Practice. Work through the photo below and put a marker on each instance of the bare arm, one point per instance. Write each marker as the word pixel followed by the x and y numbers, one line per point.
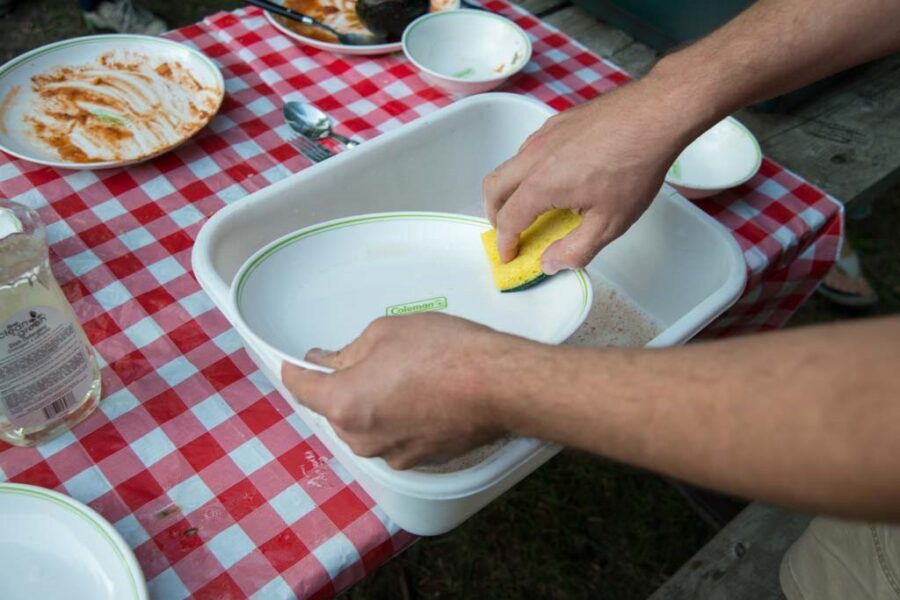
pixel 776 46
pixel 606 159
pixel 808 418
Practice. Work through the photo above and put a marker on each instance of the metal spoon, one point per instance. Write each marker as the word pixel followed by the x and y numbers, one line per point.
pixel 349 39
pixel 306 119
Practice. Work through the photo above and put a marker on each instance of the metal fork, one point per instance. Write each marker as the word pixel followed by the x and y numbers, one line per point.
pixel 311 150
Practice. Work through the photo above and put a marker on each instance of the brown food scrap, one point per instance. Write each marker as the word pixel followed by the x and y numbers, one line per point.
pixel 66 149
pixel 103 112
pixel 168 511
pixel 4 107
pixel 319 10
pixel 309 32
pixel 112 134
pixel 164 70
pixel 313 8
pixel 132 62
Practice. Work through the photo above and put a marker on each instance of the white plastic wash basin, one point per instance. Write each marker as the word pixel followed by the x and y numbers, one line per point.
pixel 676 263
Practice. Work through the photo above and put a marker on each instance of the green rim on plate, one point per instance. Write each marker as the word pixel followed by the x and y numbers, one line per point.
pixel 76 510
pixel 352 221
pixel 95 39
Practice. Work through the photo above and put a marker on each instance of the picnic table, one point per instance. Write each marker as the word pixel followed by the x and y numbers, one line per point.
pixel 206 471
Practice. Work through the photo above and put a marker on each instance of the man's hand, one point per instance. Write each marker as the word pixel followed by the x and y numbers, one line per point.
pixel 605 159
pixel 410 389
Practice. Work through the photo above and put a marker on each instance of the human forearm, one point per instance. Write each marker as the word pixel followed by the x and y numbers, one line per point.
pixel 607 159
pixel 806 418
pixel 773 47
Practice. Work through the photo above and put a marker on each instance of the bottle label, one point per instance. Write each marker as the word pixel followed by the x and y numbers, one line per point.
pixel 44 366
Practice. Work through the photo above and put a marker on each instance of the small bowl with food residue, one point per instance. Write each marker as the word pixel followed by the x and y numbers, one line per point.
pixel 105 101
pixel 466 52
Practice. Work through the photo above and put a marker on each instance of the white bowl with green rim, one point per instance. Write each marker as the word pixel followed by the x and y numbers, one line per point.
pixel 723 157
pixel 322 285
pixel 466 52
pixel 55 547
pixel 105 101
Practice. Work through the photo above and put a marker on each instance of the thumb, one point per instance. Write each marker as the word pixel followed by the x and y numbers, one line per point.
pixel 579 247
pixel 347 356
pixel 309 388
pixel 520 211
pixel 324 358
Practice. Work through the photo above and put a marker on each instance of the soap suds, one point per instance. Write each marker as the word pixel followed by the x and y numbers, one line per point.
pixel 614 321
pixel 467 460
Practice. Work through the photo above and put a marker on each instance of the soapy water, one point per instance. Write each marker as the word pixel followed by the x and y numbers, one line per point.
pixel 614 321
pixel 467 460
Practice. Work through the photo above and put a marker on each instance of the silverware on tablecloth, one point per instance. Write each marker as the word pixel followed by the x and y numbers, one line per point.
pixel 302 142
pixel 308 120
pixel 309 148
pixel 350 39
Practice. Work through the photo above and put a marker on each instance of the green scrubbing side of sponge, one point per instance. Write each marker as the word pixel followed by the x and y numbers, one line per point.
pixel 524 270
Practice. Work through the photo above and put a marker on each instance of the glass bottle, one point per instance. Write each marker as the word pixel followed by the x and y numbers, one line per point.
pixel 49 378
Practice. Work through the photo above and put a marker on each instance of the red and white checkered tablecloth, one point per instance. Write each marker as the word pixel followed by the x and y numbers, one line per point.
pixel 196 460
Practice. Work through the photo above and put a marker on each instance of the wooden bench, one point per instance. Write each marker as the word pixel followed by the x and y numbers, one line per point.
pixel 847 141
pixel 741 562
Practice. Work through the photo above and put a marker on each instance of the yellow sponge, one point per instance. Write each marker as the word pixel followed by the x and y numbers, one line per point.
pixel 524 270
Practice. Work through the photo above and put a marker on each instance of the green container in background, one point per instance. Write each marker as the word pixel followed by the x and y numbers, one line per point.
pixel 667 24
pixel 663 24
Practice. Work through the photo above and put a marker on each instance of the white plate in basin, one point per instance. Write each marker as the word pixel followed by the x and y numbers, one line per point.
pixel 322 285
pixel 55 547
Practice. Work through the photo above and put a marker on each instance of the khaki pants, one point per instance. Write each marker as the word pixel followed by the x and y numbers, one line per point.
pixel 838 560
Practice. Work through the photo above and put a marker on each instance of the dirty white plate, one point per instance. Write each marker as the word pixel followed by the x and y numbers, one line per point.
pixel 105 100
pixel 340 15
pixel 55 547
pixel 322 285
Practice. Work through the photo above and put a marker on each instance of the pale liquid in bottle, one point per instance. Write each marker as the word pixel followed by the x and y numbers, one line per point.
pixel 49 378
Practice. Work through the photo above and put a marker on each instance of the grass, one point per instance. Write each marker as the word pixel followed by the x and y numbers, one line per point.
pixel 580 527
